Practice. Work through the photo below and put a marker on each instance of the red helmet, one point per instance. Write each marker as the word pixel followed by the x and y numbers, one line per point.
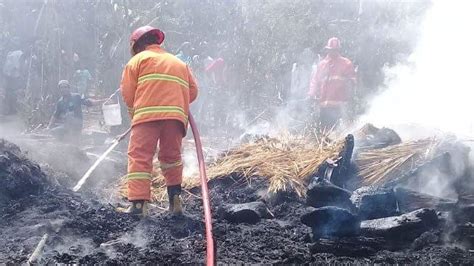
pixel 138 33
pixel 333 44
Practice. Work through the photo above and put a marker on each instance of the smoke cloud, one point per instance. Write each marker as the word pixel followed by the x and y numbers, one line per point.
pixel 434 88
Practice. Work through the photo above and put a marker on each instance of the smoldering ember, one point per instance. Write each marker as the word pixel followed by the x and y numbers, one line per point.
pixel 236 132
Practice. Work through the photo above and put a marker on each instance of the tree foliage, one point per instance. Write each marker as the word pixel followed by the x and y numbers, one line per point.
pixel 259 39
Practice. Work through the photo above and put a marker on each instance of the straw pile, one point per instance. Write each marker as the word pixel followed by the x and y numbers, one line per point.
pixel 380 166
pixel 285 161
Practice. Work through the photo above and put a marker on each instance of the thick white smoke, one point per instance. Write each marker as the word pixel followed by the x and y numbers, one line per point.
pixel 435 88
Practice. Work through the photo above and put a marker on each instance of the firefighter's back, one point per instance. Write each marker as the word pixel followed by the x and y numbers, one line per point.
pixel 163 86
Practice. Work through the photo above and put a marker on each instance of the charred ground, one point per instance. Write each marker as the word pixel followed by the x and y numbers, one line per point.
pixel 86 231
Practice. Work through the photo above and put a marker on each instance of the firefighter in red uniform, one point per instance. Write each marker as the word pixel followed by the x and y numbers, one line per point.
pixel 332 85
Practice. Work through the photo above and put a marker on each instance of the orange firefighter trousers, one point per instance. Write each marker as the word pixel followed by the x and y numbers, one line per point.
pixel 143 142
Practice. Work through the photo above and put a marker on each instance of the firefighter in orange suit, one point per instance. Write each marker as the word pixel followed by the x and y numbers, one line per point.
pixel 157 88
pixel 332 85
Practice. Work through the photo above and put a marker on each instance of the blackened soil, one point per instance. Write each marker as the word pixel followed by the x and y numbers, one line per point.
pixel 18 176
pixel 86 231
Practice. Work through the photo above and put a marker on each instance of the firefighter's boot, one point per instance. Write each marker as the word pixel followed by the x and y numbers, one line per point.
pixel 138 208
pixel 174 197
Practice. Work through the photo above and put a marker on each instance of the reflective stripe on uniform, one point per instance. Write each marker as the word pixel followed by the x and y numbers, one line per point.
pixel 336 78
pixel 159 109
pixel 332 103
pixel 139 176
pixel 163 77
pixel 166 166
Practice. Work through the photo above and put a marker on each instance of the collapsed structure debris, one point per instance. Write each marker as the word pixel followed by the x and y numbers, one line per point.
pixel 371 137
pixel 322 193
pixel 313 217
pixel 409 200
pixel 349 246
pixel 373 203
pixel 406 227
pixel 338 169
pixel 331 221
pixel 464 213
pixel 464 233
pixel 251 212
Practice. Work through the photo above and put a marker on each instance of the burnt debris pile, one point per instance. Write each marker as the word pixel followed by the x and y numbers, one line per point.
pixel 391 205
pixel 339 218
pixel 19 177
pixel 32 204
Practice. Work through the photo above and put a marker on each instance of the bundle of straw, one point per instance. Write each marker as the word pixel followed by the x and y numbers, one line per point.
pixel 380 166
pixel 286 161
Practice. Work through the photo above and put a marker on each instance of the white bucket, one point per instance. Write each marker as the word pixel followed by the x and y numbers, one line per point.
pixel 112 114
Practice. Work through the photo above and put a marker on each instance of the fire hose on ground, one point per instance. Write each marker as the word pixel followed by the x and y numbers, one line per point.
pixel 210 251
pixel 210 248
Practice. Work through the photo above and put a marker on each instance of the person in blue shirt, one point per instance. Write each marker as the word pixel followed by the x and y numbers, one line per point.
pixel 67 119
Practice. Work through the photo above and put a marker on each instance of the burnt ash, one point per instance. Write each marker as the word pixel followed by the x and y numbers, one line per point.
pixel 87 231
pixel 18 176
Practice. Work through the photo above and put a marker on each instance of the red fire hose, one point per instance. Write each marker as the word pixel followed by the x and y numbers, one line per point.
pixel 210 255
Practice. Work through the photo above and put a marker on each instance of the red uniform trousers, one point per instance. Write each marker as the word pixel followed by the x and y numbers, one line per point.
pixel 141 150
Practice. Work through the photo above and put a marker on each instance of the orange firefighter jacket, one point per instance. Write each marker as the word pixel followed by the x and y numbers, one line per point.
pixel 157 86
pixel 331 83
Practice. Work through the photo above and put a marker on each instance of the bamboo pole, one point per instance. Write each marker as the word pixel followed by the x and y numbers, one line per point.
pixel 38 250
